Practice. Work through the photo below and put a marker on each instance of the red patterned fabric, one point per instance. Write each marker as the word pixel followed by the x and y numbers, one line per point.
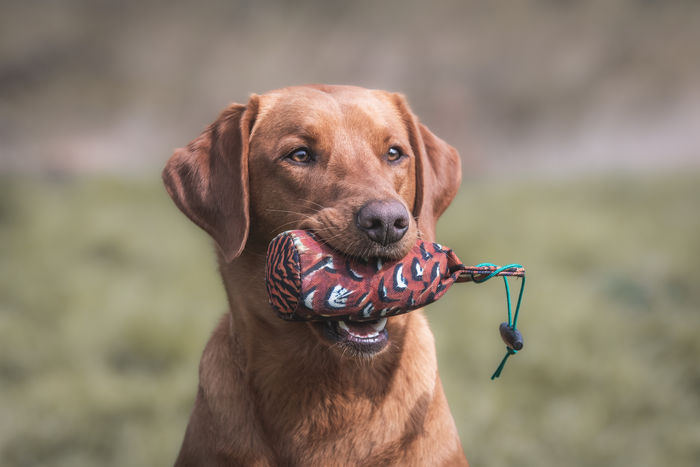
pixel 308 280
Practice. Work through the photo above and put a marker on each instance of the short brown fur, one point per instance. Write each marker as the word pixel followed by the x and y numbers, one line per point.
pixel 273 392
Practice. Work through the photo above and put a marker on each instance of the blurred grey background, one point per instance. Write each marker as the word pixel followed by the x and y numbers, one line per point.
pixel 534 86
pixel 579 128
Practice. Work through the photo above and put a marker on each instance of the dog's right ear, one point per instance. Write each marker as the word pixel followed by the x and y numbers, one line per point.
pixel 208 179
pixel 438 171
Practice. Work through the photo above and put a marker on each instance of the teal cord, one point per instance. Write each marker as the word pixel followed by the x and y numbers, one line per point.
pixel 505 281
pixel 497 373
pixel 512 319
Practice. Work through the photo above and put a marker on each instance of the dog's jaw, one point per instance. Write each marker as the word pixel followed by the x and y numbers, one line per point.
pixel 355 340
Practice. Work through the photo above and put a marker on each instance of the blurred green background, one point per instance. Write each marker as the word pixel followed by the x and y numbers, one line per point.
pixel 577 124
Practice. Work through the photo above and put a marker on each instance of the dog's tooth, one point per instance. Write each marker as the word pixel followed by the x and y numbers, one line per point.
pixel 379 325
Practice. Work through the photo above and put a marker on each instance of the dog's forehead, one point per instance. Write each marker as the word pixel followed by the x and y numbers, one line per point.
pixel 289 109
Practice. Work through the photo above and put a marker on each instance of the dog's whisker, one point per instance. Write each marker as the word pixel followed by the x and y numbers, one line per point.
pixel 304 217
pixel 320 206
pixel 286 211
pixel 289 223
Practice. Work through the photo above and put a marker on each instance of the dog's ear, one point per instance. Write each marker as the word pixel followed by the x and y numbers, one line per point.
pixel 208 179
pixel 438 171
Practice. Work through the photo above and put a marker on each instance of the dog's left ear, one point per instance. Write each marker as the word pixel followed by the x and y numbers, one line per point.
pixel 438 171
pixel 208 179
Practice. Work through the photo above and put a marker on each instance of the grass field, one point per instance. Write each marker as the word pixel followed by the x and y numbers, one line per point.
pixel 108 295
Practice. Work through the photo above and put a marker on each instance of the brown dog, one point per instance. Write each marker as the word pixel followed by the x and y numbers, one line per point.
pixel 356 167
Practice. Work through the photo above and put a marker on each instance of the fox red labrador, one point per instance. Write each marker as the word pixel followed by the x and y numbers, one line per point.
pixel 356 167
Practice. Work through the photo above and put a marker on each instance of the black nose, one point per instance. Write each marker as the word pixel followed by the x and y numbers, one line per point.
pixel 384 222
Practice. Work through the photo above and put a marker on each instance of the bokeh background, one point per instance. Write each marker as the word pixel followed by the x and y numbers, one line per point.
pixel 579 128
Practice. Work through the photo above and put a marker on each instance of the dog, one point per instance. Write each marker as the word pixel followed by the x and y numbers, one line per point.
pixel 357 168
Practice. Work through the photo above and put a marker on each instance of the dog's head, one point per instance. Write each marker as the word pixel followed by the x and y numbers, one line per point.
pixel 352 165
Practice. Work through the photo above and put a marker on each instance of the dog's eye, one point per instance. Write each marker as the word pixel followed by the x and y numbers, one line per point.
pixel 300 156
pixel 394 154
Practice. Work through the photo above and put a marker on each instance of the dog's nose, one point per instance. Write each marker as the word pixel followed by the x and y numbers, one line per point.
pixel 384 222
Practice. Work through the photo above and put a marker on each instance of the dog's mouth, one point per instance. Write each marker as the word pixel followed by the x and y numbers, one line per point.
pixel 365 249
pixel 360 339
